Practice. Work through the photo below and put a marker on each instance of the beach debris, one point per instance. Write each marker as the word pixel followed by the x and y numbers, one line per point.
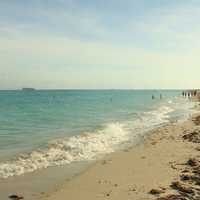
pixel 153 143
pixel 181 188
pixel 196 120
pixel 172 197
pixel 173 167
pixel 193 178
pixel 188 187
pixel 156 191
pixel 193 162
pixel 107 194
pixel 196 179
pixel 15 197
pixel 193 136
pixel 185 177
pixel 197 148
pixel 185 171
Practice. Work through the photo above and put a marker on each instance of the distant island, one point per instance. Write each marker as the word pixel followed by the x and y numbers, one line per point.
pixel 28 89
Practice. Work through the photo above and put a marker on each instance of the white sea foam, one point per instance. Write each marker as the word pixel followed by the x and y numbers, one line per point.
pixel 86 146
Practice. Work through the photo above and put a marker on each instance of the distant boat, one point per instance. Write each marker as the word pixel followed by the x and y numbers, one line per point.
pixel 28 89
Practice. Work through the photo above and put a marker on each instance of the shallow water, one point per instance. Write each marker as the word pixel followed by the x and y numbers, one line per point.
pixel 41 129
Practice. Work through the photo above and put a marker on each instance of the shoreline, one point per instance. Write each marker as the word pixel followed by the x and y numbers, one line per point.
pixel 60 181
pixel 29 185
pixel 133 173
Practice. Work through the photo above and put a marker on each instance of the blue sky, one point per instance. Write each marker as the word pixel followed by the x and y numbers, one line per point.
pixel 99 44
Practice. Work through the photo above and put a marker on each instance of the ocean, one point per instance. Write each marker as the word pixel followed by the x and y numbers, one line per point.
pixel 46 128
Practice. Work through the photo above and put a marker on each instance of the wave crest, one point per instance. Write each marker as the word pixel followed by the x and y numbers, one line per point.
pixel 87 146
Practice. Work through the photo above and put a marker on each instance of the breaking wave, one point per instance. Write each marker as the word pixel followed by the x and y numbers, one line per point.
pixel 86 146
pixel 77 148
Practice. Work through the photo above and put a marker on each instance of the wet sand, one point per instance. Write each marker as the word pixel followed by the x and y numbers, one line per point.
pixel 34 185
pixel 151 170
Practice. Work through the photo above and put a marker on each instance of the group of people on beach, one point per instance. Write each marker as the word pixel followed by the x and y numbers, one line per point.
pixel 192 93
pixel 189 94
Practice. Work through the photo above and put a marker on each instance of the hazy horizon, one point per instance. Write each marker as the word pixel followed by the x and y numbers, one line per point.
pixel 96 45
pixel 88 89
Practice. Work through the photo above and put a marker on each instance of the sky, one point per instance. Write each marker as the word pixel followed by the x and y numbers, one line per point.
pixel 98 44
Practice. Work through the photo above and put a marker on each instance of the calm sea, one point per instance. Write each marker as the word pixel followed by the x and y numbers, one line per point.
pixel 39 129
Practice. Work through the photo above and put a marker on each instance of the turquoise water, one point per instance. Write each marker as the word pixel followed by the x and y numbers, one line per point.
pixel 39 129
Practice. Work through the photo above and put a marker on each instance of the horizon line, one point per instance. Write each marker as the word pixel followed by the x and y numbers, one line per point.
pixel 46 89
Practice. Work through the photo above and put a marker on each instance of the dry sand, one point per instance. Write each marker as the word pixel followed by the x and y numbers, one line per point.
pixel 131 174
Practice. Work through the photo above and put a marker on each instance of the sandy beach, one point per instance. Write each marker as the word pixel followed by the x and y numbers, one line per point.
pixel 99 100
pixel 162 166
